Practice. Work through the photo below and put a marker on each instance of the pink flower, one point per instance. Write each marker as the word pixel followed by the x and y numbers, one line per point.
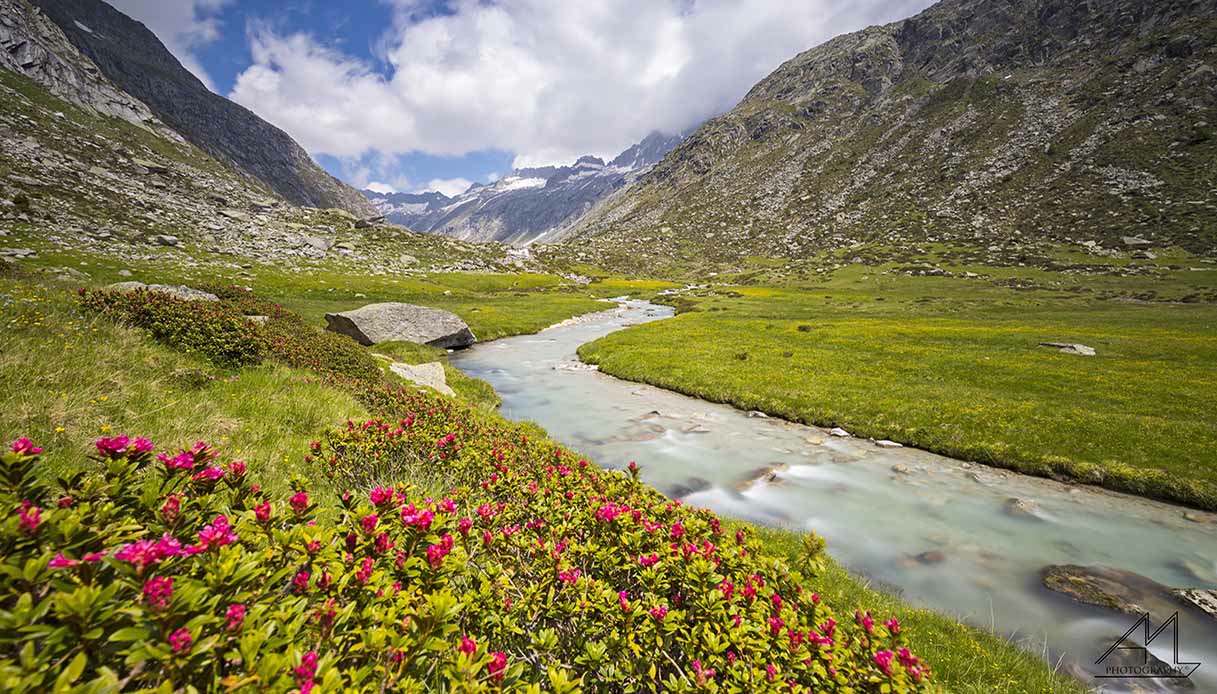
pixel 659 613
pixel 217 534
pixel 369 522
pixel 94 557
pixel 300 581
pixel 237 468
pixel 893 626
pixel 609 512
pixel 677 531
pixel 865 621
pixel 364 573
pixel 702 674
pixel 648 560
pixel 775 625
pixel 307 669
pixel 623 599
pixel 299 502
pixel 181 640
pixel 23 446
pixel 777 601
pixel 380 496
pixel 112 447
pixel 65 502
pixel 884 660
pixel 209 475
pixel 383 543
pixel 142 446
pixel 907 659
pixel 570 576
pixel 61 561
pixel 435 555
pixel 771 672
pixel 727 588
pixel 496 666
pixel 464 526
pixel 447 506
pixel 171 508
pixel 262 512
pixel 467 646
pixel 158 590
pixel 235 616
pixel 30 518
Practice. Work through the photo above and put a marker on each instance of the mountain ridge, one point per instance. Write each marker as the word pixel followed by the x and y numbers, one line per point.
pixel 135 60
pixel 976 122
pixel 529 205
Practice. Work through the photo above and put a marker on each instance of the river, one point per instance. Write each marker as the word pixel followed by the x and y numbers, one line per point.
pixel 940 531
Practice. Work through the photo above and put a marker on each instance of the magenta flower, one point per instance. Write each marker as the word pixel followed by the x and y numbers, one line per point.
pixel 678 531
pixel 380 496
pixel 467 646
pixel 23 446
pixel 171 508
pixel 865 621
pixel 217 534
pixel 300 581
pixel 184 460
pixel 659 613
pixel 464 526
pixel 623 599
pixel 262 512
pixel 112 447
pixel 181 640
pixel 727 588
pixel 497 665
pixel 142 446
pixel 369 522
pixel 570 576
pixel 609 512
pixel 893 626
pixel 883 659
pixel 30 518
pixel 775 625
pixel 235 616
pixel 447 506
pixel 364 573
pixel 209 475
pixel 648 560
pixel 307 669
pixel 299 502
pixel 907 659
pixel 158 590
pixel 61 561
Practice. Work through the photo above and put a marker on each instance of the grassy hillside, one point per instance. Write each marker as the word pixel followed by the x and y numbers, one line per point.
pixel 953 365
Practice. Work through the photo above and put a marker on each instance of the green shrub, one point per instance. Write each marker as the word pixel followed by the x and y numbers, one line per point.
pixel 216 330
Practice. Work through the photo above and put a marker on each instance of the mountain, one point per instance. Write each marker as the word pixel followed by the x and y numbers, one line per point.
pixel 132 58
pixel 528 205
pixel 990 125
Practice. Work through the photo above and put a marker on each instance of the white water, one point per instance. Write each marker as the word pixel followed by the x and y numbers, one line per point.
pixel 877 520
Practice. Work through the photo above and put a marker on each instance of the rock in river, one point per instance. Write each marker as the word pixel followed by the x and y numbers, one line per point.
pixel 387 322
pixel 1116 589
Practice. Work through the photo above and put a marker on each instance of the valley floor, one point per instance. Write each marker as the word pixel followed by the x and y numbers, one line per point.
pixel 955 365
pixel 72 377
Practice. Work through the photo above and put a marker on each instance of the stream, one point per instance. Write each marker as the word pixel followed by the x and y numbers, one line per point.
pixel 942 533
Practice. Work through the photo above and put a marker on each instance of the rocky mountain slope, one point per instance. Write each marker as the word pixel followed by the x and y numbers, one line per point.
pixel 131 57
pixel 995 125
pixel 528 205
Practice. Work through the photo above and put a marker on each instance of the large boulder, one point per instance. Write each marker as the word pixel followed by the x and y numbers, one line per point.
pixel 388 322
pixel 175 290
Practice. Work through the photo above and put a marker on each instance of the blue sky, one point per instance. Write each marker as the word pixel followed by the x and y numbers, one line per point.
pixel 414 95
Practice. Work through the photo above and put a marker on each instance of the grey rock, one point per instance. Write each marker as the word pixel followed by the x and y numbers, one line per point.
pixel 430 375
pixel 1135 241
pixel 1112 588
pixel 1070 348
pixel 319 243
pixel 235 214
pixel 839 433
pixel 1022 508
pixel 1203 600
pixel 151 166
pixel 177 290
pixel 884 443
pixel 166 240
pixel 387 322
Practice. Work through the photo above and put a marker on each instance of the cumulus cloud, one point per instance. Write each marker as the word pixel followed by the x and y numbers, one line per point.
pixel 182 25
pixel 382 188
pixel 448 186
pixel 547 79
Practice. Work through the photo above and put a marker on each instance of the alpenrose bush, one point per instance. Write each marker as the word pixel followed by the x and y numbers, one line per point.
pixel 536 571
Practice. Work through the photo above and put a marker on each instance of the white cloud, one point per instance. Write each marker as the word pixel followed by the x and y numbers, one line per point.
pixel 547 79
pixel 382 188
pixel 448 186
pixel 182 25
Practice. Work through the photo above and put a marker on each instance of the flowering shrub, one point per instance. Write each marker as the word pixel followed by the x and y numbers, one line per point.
pixel 222 331
pixel 533 567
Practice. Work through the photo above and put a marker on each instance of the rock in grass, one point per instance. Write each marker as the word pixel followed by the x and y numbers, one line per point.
pixel 430 375
pixel 387 322
pixel 839 433
pixel 1070 348
pixel 176 290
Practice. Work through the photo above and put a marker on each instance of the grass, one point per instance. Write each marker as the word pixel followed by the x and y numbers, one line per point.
pixel 953 366
pixel 69 379
pixel 965 659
